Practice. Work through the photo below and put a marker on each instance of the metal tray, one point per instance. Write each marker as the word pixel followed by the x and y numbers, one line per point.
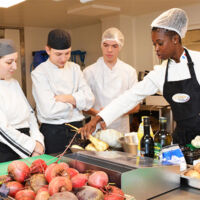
pixel 192 182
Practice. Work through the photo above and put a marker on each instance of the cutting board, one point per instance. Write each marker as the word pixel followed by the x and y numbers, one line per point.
pixel 47 158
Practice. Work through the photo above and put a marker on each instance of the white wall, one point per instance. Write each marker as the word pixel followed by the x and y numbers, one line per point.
pixel 14 34
pixel 87 39
pixel 35 40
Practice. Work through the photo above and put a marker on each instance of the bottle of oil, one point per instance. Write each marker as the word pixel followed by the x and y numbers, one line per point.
pixel 147 143
pixel 162 137
pixel 140 133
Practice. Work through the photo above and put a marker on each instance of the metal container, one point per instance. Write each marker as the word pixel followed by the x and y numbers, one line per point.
pixel 133 174
pixel 128 145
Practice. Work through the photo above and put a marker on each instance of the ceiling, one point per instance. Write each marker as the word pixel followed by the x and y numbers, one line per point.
pixel 71 13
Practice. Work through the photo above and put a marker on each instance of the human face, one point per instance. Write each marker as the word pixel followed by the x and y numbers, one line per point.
pixel 110 51
pixel 164 45
pixel 58 57
pixel 8 65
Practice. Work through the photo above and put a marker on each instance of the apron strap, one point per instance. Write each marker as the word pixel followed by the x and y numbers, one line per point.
pixel 190 64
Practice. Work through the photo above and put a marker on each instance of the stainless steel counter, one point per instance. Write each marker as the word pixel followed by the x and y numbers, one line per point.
pixel 182 193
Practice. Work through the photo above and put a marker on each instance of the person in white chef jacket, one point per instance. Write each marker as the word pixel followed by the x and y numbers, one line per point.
pixel 178 80
pixel 109 77
pixel 19 132
pixel 60 92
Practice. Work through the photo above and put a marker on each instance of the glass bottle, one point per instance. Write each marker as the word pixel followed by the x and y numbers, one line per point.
pixel 162 137
pixel 140 132
pixel 147 143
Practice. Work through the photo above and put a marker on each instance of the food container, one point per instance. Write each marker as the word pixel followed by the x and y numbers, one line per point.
pixel 190 154
pixel 190 181
pixel 129 144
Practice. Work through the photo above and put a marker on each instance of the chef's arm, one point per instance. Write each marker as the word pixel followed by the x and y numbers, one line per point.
pixel 91 111
pixel 134 110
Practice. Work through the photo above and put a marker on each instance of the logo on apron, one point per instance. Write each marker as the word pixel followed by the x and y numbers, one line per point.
pixel 180 98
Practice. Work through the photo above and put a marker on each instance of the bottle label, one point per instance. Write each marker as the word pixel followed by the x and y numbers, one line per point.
pixel 157 149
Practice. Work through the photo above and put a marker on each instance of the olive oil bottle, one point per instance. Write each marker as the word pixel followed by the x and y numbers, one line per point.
pixel 147 143
pixel 162 137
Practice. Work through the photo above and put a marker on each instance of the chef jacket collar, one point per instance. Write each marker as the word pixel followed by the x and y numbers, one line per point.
pixel 183 58
pixel 101 60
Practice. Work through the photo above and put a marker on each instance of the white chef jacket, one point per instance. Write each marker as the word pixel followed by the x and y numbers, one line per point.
pixel 151 84
pixel 107 84
pixel 48 81
pixel 16 113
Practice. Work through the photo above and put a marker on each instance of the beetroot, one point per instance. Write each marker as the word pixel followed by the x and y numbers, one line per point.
pixel 43 188
pixel 18 170
pixel 25 195
pixel 14 187
pixel 60 184
pixel 63 196
pixel 79 180
pixel 56 169
pixel 38 166
pixel 98 179
pixel 72 172
pixel 5 179
pixel 113 193
pixel 37 181
pixel 90 193
pixel 42 195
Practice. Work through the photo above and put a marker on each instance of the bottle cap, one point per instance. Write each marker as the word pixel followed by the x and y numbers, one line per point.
pixel 163 119
pixel 146 121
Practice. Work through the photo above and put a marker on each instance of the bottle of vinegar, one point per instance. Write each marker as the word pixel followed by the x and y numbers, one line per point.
pixel 162 137
pixel 140 132
pixel 147 143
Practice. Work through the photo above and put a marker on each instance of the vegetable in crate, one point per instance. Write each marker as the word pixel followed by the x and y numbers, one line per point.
pixel 63 196
pixel 60 184
pixel 90 193
pixel 18 170
pixel 14 187
pixel 56 169
pixel 98 179
pixel 113 193
pixel 25 195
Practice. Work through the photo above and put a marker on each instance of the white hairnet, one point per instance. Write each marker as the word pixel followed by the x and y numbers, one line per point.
pixel 174 19
pixel 113 34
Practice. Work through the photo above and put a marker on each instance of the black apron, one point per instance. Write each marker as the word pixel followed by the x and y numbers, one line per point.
pixel 6 153
pixel 186 111
pixel 58 136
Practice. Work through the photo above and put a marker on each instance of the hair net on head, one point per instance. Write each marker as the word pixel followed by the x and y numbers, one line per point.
pixel 113 34
pixel 174 19
pixel 6 47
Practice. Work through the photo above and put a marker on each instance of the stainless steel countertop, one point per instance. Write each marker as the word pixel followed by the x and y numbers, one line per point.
pixel 183 193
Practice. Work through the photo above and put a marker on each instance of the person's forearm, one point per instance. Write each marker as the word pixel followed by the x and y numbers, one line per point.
pixel 91 111
pixel 134 110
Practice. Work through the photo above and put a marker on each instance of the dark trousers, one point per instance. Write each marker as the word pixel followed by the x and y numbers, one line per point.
pixel 58 136
pixel 6 153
